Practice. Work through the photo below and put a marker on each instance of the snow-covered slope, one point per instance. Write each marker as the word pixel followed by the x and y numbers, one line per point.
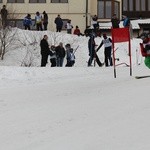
pixel 78 108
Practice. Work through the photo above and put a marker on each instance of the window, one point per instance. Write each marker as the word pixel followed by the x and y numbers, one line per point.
pixel 143 5
pixel 131 5
pixel 19 23
pixel 100 9
pixel 59 1
pixel 140 5
pixel 37 1
pixel 64 23
pixel 104 8
pixel 1 1
pixel 125 5
pixel 149 5
pixel 108 9
pixel 15 1
pixel 135 5
pixel 117 9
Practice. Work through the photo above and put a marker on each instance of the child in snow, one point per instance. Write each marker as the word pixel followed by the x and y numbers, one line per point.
pixel 70 56
pixel 53 56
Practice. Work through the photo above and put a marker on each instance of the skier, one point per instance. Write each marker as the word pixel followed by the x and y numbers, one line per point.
pixel 92 52
pixel 107 49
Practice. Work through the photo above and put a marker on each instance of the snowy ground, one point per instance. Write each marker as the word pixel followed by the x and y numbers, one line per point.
pixel 77 108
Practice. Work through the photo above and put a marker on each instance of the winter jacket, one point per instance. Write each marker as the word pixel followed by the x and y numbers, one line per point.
pixel 44 47
pixel 115 22
pixel 147 61
pixel 126 22
pixel 60 52
pixel 91 46
pixel 4 13
pixel 69 26
pixel 58 22
pixel 45 18
pixel 38 19
pixel 52 54
pixel 107 43
pixel 27 21
pixel 76 32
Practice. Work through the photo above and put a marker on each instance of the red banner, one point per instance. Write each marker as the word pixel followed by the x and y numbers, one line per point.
pixel 120 35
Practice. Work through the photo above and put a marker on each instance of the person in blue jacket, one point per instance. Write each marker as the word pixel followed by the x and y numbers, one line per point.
pixel 126 21
pixel 27 22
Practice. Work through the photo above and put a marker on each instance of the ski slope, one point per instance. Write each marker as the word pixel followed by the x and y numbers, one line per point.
pixel 78 108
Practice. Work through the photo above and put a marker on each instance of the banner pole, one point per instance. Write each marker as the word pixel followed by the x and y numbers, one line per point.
pixel 130 55
pixel 114 60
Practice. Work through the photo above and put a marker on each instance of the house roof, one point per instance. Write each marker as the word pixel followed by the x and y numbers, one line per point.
pixel 135 24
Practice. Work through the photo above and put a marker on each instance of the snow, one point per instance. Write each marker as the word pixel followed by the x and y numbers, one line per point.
pixel 78 108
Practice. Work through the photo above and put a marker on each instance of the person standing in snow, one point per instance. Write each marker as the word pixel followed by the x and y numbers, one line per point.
pixel 70 56
pixel 38 21
pixel 59 23
pixel 60 54
pixel 107 42
pixel 53 56
pixel 115 21
pixel 69 27
pixel 92 52
pixel 126 21
pixel 4 14
pixel 45 20
pixel 44 50
pixel 27 22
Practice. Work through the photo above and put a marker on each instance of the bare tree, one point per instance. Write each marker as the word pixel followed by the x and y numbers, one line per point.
pixel 7 33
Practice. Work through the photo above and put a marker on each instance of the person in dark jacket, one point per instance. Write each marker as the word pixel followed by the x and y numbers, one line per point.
pixel 45 20
pixel 107 42
pixel 60 54
pixel 92 52
pixel 115 21
pixel 4 14
pixel 59 23
pixel 27 22
pixel 44 50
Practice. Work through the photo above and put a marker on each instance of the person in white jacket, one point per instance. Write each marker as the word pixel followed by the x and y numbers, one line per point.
pixel 69 27
pixel 107 42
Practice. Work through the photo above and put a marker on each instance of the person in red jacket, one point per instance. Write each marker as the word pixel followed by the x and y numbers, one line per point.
pixel 77 31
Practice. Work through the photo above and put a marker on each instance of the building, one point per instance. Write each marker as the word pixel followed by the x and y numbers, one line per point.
pixel 74 10
pixel 79 11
